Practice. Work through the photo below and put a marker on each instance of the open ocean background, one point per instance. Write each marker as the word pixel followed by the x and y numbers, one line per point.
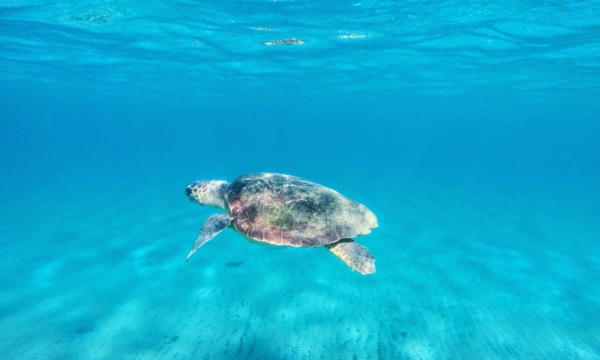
pixel 470 128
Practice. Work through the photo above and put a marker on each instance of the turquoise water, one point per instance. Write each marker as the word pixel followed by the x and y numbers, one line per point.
pixel 470 129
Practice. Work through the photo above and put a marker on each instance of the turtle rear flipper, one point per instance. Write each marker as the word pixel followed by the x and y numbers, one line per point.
pixel 211 227
pixel 354 255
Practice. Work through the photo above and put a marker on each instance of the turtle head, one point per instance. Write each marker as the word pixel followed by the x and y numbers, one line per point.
pixel 208 193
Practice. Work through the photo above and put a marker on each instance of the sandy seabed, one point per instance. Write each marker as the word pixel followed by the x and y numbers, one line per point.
pixel 461 274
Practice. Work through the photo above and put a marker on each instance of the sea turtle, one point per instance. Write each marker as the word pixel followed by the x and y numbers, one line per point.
pixel 285 210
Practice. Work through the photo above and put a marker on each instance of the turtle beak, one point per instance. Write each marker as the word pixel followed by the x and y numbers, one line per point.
pixel 189 191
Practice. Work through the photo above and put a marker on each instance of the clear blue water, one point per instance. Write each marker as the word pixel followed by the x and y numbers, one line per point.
pixel 470 129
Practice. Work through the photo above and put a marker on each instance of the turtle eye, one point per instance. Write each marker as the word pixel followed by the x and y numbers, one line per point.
pixel 188 191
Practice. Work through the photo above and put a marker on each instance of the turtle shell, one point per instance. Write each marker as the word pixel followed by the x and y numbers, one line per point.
pixel 286 210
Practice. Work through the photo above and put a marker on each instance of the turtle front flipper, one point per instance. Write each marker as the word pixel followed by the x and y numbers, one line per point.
pixel 212 226
pixel 354 255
